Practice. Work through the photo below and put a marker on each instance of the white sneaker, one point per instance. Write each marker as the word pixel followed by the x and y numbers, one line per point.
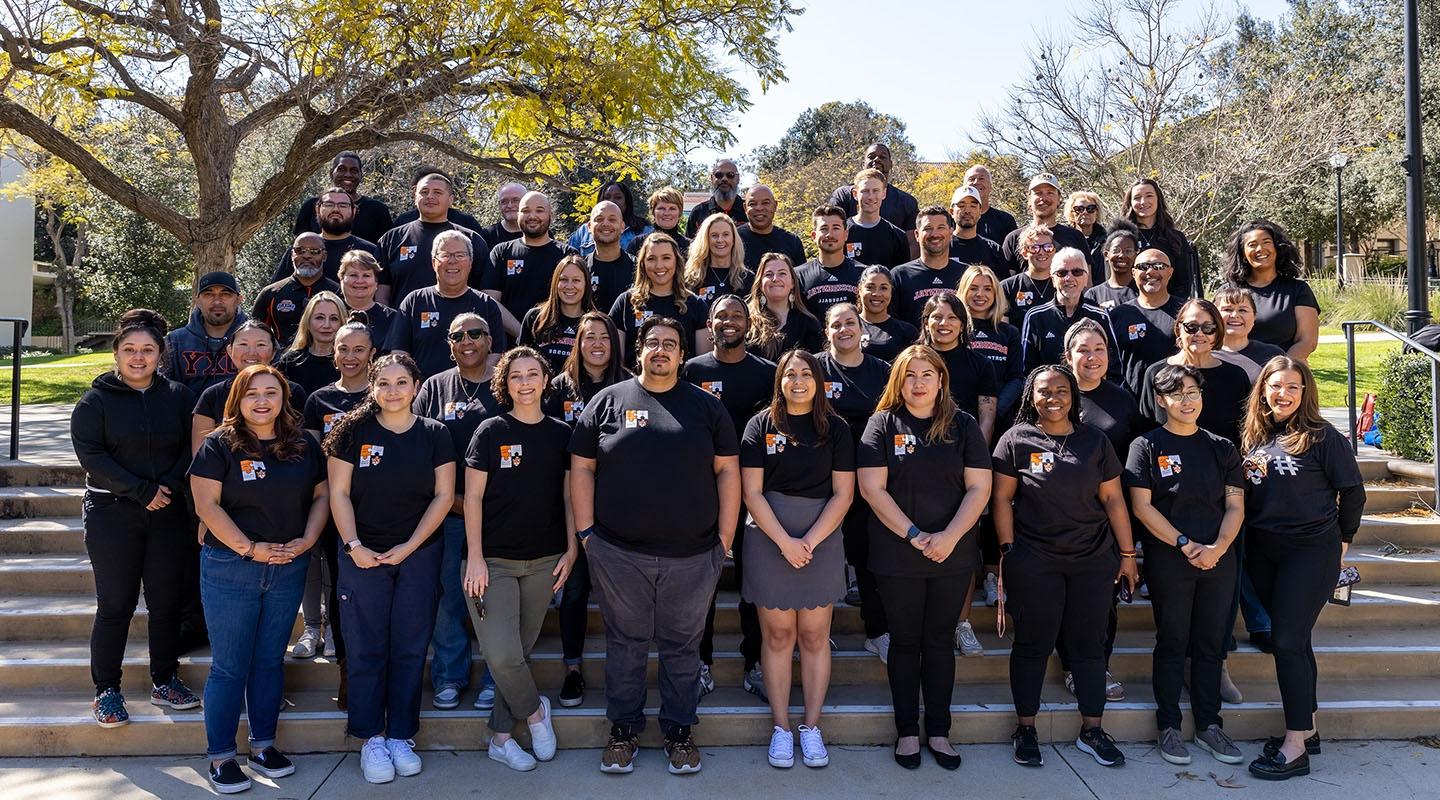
pixel 375 761
pixel 992 590
pixel 880 646
pixel 707 681
pixel 967 642
pixel 402 755
pixel 542 734
pixel 812 747
pixel 512 755
pixel 782 748
pixel 310 644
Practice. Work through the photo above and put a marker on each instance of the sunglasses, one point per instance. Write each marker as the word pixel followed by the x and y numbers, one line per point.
pixel 474 334
pixel 308 251
pixel 1066 273
pixel 1207 328
pixel 726 174
pixel 1152 266
pixel 1046 247
pixel 1090 209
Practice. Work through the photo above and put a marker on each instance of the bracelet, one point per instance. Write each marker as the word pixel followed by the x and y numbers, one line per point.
pixel 249 554
pixel 912 534
pixel 1124 554
pixel 584 533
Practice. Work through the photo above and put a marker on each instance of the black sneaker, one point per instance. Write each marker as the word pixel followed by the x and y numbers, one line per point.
pixel 1100 746
pixel 1027 746
pixel 572 693
pixel 228 778
pixel 271 763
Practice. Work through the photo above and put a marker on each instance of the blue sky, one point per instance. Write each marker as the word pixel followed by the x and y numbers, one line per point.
pixel 872 51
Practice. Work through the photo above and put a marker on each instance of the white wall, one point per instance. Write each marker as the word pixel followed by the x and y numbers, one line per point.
pixel 17 253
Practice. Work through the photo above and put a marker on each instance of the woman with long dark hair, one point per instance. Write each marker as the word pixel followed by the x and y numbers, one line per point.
pixel 392 481
pixel 551 326
pixel 1303 504
pixel 780 322
pixel 945 328
pixel 259 487
pixel 1261 258
pixel 131 434
pixel 1065 542
pixel 1144 205
pixel 924 471
pixel 250 343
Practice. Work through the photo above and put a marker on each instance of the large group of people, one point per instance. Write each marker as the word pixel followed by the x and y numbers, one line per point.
pixel 943 409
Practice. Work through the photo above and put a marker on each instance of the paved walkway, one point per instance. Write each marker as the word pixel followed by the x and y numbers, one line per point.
pixel 1389 770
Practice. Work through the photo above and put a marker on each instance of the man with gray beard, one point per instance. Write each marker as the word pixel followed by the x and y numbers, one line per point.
pixel 280 304
pixel 724 197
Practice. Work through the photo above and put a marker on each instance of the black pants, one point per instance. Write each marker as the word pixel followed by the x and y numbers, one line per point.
pixel 1051 599
pixel 574 608
pixel 1293 578
pixel 855 530
pixel 749 616
pixel 922 614
pixel 329 547
pixel 130 547
pixel 1110 625
pixel 1193 616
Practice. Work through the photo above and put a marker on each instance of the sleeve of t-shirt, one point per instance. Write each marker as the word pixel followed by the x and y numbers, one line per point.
pixel 499 340
pixel 585 441
pixel 1305 296
pixel 400 333
pixel 726 441
pixel 1137 465
pixel 527 327
pixel 1030 345
pixel 975 454
pixel 312 419
pixel 842 445
pixel 1002 460
pixel 812 340
pixel 871 452
pixel 262 300
pixel 1337 461
pixel 425 399
pixel 476 454
pixel 384 250
pixel 752 443
pixel 316 456
pixel 480 254
pixel 493 275
pixel 901 245
pixel 1231 465
pixel 211 403
pixel 442 448
pixel 1110 466
pixel 212 460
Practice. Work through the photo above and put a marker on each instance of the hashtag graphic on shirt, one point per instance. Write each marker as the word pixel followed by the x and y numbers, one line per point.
pixel 1287 465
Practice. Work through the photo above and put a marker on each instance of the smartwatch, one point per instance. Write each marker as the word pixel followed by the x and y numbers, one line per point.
pixel 1006 548
pixel 584 533
pixel 1182 540
pixel 912 534
pixel 352 544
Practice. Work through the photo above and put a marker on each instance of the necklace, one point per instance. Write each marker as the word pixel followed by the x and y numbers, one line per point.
pixel 1059 446
pixel 470 396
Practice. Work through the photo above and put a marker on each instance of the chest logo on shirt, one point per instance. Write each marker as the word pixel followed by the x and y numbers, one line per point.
pixel 905 444
pixel 514 266
pixel 370 455
pixel 1137 330
pixel 1257 466
pixel 833 389
pixel 328 421
pixel 707 293
pixel 642 315
pixel 285 306
pixel 1023 299
pixel 1042 462
pixel 510 455
pixel 1169 465
pixel 636 418
pixel 407 251
pixel 716 388
pixel 454 410
pixel 252 470
pixel 775 443
pixel 572 409
pixel 852 249
pixel 1109 304
pixel 594 282
pixel 429 319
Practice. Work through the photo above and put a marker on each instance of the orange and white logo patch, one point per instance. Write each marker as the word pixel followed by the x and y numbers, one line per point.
pixel 252 470
pixel 775 443
pixel 407 251
pixel 716 388
pixel 904 443
pixel 510 455
pixel 636 418
pixel 572 409
pixel 1169 465
pixel 370 454
pixel 1041 462
pixel 429 319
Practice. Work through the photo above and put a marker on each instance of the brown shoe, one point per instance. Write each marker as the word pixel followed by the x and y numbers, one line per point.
pixel 619 753
pixel 342 697
pixel 680 748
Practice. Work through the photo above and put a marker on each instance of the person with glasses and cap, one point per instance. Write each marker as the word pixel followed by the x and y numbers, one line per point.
pixel 1142 326
pixel 280 305
pixel 724 198
pixel 968 246
pixel 1044 204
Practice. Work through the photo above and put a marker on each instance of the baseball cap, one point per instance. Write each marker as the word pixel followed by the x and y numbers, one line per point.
pixel 217 278
pixel 966 191
pixel 1045 177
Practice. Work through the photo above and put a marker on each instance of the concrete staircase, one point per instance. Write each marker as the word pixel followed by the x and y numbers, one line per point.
pixel 1379 659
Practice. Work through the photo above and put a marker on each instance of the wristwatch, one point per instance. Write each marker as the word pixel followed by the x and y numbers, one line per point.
pixel 249 554
pixel 584 533
pixel 1006 548
pixel 1182 540
pixel 352 544
pixel 912 534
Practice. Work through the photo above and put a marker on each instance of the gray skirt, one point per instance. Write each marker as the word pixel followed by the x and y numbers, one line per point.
pixel 769 580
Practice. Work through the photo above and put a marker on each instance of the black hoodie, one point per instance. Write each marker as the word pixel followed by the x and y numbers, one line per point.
pixel 131 442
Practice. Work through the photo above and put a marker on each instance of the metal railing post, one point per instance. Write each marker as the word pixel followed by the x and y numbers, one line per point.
pixel 18 327
pixel 1350 383
pixel 1435 429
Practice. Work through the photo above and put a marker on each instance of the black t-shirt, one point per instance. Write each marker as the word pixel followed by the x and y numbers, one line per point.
pixel 406 261
pixel 899 206
pixel 565 401
pixel 707 208
pixel 882 243
pixel 280 305
pixel 1296 495
pixel 211 402
pixel 325 406
pixel 1143 336
pixel 393 480
pixel 1191 471
pixel 1023 293
pixel 609 278
pixel 743 387
pixel 854 391
pixel 497 234
pixel 1046 325
pixel 886 340
pixel 1275 311
pixel 1114 411
pixel 1177 247
pixel 1226 390
pixel 268 499
pixel 312 372
pixel 523 513
pixel 522 273
pixel 914 284
pixel 557 342
pixel 459 405
pixel 372 219
pixel 1251 358
pixel 1063 236
pixel 454 215
pixel 800 330
pixel 633 248
pixel 424 322
pixel 795 461
pixel 778 240
pixel 971 377
pixel 655 489
pixel 335 250
pixel 716 283
pixel 1058 512
pixel 824 286
pixel 978 250
pixel 1107 296
pixel 927 482
pixel 628 320
pixel 995 225
pixel 380 319
pixel 1001 345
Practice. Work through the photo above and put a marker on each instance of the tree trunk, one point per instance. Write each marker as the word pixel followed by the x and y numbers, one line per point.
pixel 67 266
pixel 213 252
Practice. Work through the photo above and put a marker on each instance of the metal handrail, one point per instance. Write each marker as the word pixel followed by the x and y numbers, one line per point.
pixel 18 326
pixel 1434 357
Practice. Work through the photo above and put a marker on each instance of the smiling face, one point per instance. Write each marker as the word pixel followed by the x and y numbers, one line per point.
pixel 660 352
pixel 830 234
pixel 760 208
pixel 667 215
pixel 324 322
pixel 606 223
pixel 509 202
pixel 570 285
pixel 525 381
pixel 452 263
pixel 728 322
pixel 797 384
pixel 433 198
pixel 251 347
pixel 1239 317
pixel 843 331
pixel 660 267
pixel 980 296
pixel 1044 201
pixel 875 294
pixel 262 402
pixel 979 177
pixel 1120 256
pixel 943 326
pixel 352 353
pixel 1088 357
pixel 1144 202
pixel 1040 253
pixel 1198 333
pixel 469 339
pixel 870 193
pixel 1052 397
pixel 394 389
pixel 358 286
pixel 877 156
pixel 1184 404
pixel 722 240
pixel 1284 391
pixel 1259 248
pixel 1070 279
pixel 137 357
pixel 776 281
pixel 934 235
pixel 595 345
pixel 1152 272
pixel 347 174
pixel 535 215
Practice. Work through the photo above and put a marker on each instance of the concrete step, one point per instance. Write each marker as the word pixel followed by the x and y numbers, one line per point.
pixel 26 473
pixel 40 724
pixel 1406 528
pixel 1395 495
pixel 54 535
pixel 41 501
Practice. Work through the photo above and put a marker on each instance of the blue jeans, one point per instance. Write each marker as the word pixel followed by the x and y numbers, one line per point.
pixel 451 662
pixel 250 610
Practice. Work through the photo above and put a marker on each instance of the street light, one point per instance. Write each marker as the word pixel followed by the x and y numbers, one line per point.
pixel 1338 161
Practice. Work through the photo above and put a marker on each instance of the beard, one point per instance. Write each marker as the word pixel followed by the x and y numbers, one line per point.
pixel 308 271
pixel 336 227
pixel 726 195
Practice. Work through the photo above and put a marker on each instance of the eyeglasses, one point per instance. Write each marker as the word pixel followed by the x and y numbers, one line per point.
pixel 726 174
pixel 1207 328
pixel 668 345
pixel 1190 395
pixel 1066 273
pixel 1152 266
pixel 327 205
pixel 308 251
pixel 1090 209
pixel 474 334
pixel 453 256
pixel 1046 247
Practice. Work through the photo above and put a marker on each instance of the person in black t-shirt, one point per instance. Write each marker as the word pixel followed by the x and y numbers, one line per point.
pixel 335 214
pixel 659 291
pixel 779 319
pixel 994 224
pixel 797 462
pixel 550 327
pixel 1143 327
pixel 404 248
pixel 425 314
pixel 760 233
pixel 280 304
pixel 1043 331
pixel 869 237
pixel 923 469
pixel 507 202
pixel 831 277
pixel 724 199
pixel 715 265
pixel 1188 491
pixel 971 379
pixel 1044 206
pixel 1059 552
pixel 392 481
pixel 968 246
pixel 251 344
pixel 1032 287
pixel 611 269
pixel 1103 403
pixel 1261 258
pixel 667 205
pixel 1083 211
pixel 1226 386
pixel 1303 502
pixel 1118 256
pixel 898 207
pixel 656 552
pixel 259 485
pixel 520 271
pixel 933 273
pixel 994 338
pixel 520 545
pixel 882 335
pixel 1143 204
pixel 1237 307
pixel 371 216
pixel 310 360
pixel 359 280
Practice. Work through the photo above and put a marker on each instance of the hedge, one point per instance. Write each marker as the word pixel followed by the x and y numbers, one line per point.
pixel 1404 406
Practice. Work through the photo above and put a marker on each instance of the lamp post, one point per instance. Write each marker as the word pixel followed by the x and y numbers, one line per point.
pixel 1338 161
pixel 1416 279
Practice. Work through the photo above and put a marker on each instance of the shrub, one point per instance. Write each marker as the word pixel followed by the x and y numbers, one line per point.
pixel 1404 406
pixel 1381 300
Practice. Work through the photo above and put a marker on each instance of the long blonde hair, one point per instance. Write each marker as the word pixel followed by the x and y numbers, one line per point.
pixel 1296 435
pixel 302 336
pixel 945 409
pixel 640 289
pixel 699 258
pixel 996 314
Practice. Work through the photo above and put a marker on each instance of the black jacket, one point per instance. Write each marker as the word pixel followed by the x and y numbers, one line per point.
pixel 131 442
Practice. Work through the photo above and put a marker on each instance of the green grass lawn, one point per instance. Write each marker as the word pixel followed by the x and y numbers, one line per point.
pixel 1328 364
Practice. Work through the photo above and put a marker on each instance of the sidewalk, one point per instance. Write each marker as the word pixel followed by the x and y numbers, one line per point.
pixel 1387 769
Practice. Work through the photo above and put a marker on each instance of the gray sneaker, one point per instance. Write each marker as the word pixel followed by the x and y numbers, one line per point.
pixel 1229 692
pixel 1215 741
pixel 1172 747
pixel 447 697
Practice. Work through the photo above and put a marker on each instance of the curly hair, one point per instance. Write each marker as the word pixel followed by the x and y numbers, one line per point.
pixel 234 429
pixel 1237 270
pixel 338 439
pixel 1027 414
pixel 499 382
